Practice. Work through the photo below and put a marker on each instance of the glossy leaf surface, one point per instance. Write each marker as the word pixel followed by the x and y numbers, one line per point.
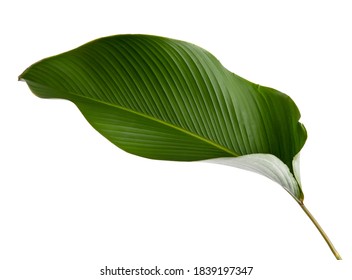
pixel 171 100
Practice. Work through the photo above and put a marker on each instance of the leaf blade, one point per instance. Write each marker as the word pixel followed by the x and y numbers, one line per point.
pixel 177 97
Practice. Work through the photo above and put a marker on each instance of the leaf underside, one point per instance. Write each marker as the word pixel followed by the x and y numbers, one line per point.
pixel 171 100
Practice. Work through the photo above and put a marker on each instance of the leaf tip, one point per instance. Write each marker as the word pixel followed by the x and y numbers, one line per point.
pixel 21 77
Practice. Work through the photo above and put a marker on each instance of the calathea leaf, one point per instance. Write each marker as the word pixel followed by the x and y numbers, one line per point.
pixel 170 100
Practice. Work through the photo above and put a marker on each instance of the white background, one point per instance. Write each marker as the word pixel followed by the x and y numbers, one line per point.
pixel 71 202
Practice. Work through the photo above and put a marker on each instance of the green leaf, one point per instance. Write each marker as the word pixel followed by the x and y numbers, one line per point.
pixel 171 100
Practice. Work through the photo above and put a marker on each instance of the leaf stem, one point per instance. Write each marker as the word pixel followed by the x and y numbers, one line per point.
pixel 322 232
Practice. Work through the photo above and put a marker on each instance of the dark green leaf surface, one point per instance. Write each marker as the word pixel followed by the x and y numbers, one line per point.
pixel 167 99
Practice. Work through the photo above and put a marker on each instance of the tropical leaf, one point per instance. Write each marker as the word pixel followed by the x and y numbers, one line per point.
pixel 171 100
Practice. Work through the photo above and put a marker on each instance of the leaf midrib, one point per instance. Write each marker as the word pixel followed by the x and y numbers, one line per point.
pixel 231 153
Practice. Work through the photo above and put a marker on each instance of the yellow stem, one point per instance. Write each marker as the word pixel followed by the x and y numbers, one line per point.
pixel 322 232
